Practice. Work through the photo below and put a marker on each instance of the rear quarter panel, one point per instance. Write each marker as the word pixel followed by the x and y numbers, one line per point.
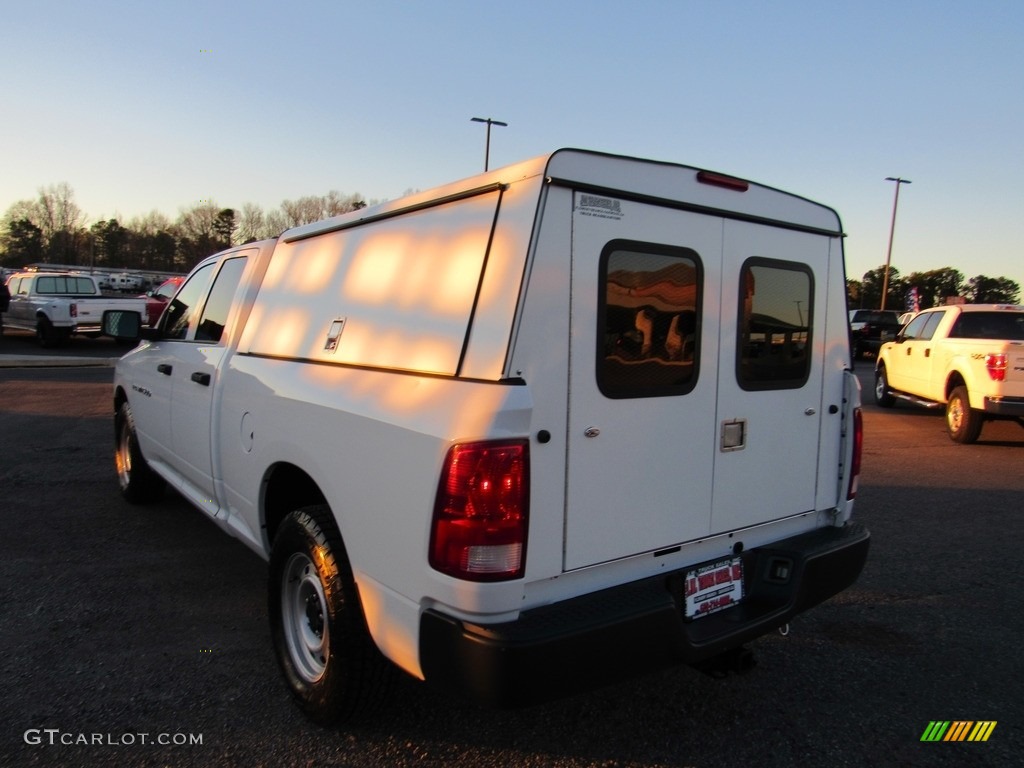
pixel 373 442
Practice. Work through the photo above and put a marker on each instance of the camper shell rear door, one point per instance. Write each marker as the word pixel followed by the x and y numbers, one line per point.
pixel 695 375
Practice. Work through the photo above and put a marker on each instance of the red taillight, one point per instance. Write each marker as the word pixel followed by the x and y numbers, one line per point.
pixel 996 365
pixel 858 449
pixel 721 180
pixel 479 527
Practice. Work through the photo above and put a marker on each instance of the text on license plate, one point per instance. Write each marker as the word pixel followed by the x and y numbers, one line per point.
pixel 714 586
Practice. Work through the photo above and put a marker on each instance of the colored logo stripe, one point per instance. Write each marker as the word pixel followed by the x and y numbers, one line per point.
pixel 935 731
pixel 958 730
pixel 982 730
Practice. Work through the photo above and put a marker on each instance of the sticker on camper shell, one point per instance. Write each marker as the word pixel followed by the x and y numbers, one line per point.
pixel 599 207
pixel 334 334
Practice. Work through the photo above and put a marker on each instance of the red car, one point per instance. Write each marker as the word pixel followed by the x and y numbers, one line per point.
pixel 156 300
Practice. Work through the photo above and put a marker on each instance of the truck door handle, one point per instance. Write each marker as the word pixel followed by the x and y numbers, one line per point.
pixel 165 368
pixel 201 378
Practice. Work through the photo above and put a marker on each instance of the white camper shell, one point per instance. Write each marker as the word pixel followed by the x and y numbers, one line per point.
pixel 645 366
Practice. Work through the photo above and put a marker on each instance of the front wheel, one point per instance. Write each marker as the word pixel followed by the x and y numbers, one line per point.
pixel 139 483
pixel 328 658
pixel 883 397
pixel 963 422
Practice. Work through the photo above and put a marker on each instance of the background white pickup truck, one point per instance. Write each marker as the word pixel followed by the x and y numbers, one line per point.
pixel 969 358
pixel 55 305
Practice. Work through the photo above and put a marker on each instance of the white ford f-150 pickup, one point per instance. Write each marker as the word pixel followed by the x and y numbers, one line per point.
pixel 968 358
pixel 530 432
pixel 55 305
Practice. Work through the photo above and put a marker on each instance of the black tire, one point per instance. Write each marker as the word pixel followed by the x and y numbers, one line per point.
pixel 963 422
pixel 46 334
pixel 334 670
pixel 139 483
pixel 883 396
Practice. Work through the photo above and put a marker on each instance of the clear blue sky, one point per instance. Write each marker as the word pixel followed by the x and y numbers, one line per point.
pixel 143 105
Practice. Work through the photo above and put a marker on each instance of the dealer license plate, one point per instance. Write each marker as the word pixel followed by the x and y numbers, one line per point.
pixel 713 587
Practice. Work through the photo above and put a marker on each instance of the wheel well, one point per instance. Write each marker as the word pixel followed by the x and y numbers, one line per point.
pixel 955 380
pixel 285 489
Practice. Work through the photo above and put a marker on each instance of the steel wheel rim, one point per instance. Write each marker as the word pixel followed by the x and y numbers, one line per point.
pixel 955 416
pixel 304 618
pixel 124 457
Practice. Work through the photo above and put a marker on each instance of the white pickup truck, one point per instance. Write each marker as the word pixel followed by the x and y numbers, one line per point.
pixel 55 305
pixel 530 432
pixel 968 358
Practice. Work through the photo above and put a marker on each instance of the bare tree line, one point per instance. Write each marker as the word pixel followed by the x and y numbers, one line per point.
pixel 53 229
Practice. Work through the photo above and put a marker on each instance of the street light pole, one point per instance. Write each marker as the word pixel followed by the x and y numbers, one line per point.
pixel 892 230
pixel 490 122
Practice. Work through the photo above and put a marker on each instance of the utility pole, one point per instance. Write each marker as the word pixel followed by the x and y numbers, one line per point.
pixel 892 230
pixel 487 149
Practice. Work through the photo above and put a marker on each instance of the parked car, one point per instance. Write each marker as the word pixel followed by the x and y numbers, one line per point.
pixel 870 328
pixel 156 300
pixel 968 359
pixel 55 305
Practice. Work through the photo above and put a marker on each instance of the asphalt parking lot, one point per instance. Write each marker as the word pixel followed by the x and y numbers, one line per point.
pixel 123 627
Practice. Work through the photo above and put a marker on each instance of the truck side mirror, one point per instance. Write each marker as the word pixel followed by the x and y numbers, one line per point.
pixel 122 324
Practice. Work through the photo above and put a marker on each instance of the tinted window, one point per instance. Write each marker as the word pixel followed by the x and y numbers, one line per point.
pixel 915 329
pixel 1007 326
pixel 775 324
pixel 181 311
pixel 64 284
pixel 649 317
pixel 215 311
pixel 875 316
pixel 931 325
pixel 167 290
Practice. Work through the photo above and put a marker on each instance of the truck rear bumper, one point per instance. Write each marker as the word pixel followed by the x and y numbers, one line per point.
pixel 1004 406
pixel 625 631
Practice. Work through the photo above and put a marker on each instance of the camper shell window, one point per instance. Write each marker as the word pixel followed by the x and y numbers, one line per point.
pixel 776 321
pixel 649 315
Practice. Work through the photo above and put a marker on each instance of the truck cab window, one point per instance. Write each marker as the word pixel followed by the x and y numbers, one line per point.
pixel 775 324
pixel 182 310
pixel 215 311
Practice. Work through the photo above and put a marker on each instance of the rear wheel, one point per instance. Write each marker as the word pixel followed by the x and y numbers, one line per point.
pixel 138 482
pixel 963 422
pixel 46 334
pixel 883 396
pixel 325 651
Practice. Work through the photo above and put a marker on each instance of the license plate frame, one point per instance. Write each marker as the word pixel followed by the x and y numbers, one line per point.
pixel 712 587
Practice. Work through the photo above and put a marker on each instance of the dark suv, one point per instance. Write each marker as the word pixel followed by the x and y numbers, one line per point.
pixel 869 328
